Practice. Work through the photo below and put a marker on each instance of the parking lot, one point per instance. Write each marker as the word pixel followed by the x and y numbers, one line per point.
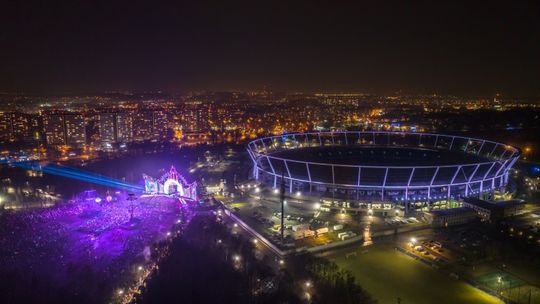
pixel 311 223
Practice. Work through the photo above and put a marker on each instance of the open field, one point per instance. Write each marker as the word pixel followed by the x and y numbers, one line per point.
pixel 388 275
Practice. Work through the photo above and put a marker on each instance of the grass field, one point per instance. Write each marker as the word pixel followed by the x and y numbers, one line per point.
pixel 512 287
pixel 388 274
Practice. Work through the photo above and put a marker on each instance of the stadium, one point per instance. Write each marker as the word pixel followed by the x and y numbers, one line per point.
pixel 382 166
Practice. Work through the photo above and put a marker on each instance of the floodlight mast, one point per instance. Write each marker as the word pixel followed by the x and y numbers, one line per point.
pixel 282 199
pixel 131 198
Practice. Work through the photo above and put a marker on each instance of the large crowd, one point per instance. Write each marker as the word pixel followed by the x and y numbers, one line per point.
pixel 79 248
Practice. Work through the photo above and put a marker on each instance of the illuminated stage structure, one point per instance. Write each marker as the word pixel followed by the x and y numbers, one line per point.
pixel 171 184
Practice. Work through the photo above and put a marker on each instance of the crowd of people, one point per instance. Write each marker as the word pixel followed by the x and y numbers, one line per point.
pixel 79 251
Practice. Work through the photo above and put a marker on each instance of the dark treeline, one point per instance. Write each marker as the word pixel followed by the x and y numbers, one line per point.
pixel 201 269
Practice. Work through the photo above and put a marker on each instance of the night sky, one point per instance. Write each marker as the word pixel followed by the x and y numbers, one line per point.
pixel 420 47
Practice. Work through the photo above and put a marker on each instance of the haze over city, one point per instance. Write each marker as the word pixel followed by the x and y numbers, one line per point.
pixel 414 47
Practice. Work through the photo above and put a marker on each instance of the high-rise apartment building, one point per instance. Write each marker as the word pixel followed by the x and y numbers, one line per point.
pixel 107 128
pixel 75 125
pixel 143 122
pixel 54 127
pixel 124 127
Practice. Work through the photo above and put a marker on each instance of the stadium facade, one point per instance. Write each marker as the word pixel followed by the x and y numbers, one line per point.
pixel 383 166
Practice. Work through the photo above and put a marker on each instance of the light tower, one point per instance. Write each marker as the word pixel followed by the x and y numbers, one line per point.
pixel 131 198
pixel 282 198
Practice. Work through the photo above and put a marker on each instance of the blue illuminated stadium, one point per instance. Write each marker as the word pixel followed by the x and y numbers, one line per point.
pixel 383 166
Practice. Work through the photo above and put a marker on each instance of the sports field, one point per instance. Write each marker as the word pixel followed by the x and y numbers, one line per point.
pixel 511 286
pixel 389 274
